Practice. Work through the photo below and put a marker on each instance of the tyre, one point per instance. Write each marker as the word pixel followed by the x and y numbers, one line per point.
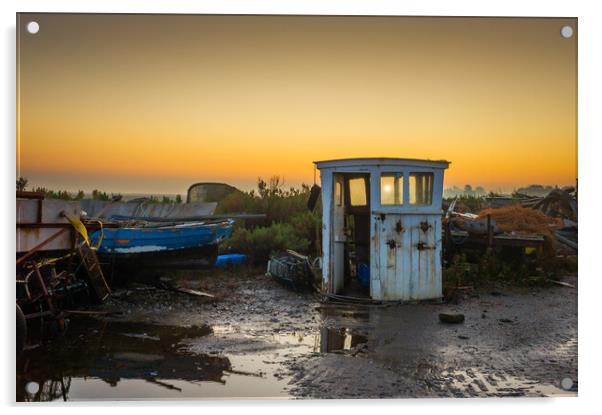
pixel 21 330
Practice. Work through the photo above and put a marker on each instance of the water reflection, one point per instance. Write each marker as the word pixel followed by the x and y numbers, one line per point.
pixel 112 352
pixel 339 339
pixel 327 340
pixel 96 359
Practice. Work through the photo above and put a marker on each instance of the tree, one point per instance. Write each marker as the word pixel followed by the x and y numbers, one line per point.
pixel 21 184
pixel 98 195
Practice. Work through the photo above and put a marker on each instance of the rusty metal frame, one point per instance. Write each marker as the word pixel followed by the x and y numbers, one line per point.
pixel 40 245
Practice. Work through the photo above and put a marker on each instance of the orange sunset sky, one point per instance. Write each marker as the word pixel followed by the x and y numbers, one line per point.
pixel 153 103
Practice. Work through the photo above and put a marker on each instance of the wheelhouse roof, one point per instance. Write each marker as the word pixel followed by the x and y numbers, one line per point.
pixel 381 161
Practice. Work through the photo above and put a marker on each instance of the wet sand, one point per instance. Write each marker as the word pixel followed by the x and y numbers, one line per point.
pixel 258 339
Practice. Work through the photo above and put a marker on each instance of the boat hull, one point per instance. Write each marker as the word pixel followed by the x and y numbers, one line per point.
pixel 186 258
pixel 187 245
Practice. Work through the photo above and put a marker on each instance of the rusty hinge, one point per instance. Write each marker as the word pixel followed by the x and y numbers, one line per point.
pixel 398 227
pixel 392 244
pixel 425 226
pixel 421 246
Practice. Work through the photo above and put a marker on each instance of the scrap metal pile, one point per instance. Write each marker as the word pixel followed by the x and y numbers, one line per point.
pixel 57 268
pixel 560 204
pixel 62 248
pixel 545 223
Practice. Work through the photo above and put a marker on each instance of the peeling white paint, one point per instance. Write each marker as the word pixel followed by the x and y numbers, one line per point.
pixel 139 249
pixel 405 239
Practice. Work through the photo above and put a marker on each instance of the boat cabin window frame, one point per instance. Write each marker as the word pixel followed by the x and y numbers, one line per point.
pixel 421 186
pixel 398 188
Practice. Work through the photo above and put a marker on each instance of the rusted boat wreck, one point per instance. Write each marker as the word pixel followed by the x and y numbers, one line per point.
pixel 63 251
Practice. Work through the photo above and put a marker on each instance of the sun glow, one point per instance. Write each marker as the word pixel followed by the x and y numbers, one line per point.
pixel 153 103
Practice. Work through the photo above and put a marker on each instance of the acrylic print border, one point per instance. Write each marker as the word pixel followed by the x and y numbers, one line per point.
pixel 589 69
pixel 419 181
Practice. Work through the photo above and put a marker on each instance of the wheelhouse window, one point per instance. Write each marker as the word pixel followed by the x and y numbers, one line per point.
pixel 391 189
pixel 357 192
pixel 421 188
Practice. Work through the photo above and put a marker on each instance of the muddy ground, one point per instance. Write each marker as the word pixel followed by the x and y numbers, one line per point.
pixel 257 338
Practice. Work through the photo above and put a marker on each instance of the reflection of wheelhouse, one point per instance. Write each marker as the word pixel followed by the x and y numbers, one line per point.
pixel 382 227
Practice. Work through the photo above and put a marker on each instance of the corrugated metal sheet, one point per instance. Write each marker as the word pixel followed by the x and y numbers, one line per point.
pixel 150 210
pixel 43 212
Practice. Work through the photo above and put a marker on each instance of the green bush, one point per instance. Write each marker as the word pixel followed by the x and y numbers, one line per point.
pixel 487 271
pixel 261 242
pixel 240 202
pixel 279 205
pixel 308 225
pixel 288 223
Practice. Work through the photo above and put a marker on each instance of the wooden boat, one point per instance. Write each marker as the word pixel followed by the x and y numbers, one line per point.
pixel 150 244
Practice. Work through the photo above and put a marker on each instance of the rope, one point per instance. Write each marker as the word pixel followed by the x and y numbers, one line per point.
pixel 78 226
pixel 102 235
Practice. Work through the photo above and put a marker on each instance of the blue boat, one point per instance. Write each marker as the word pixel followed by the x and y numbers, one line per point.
pixel 181 245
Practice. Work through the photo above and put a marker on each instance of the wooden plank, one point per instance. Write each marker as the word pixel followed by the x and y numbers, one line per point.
pixel 193 292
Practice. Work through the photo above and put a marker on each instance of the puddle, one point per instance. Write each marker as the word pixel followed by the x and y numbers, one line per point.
pixel 332 340
pixel 97 360
pixel 328 340
pixel 93 355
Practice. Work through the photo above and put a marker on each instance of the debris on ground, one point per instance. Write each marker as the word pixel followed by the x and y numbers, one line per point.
pixel 532 228
pixel 293 269
pixel 184 290
pixel 562 283
pixel 451 318
pixel 304 348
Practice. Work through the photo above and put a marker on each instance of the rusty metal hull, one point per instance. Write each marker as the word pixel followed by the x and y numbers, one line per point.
pixel 40 219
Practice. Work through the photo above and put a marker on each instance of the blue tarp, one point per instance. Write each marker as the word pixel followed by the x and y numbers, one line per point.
pixel 227 260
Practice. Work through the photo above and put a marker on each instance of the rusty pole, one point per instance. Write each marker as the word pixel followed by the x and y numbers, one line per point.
pixel 43 286
pixel 489 232
pixel 40 245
